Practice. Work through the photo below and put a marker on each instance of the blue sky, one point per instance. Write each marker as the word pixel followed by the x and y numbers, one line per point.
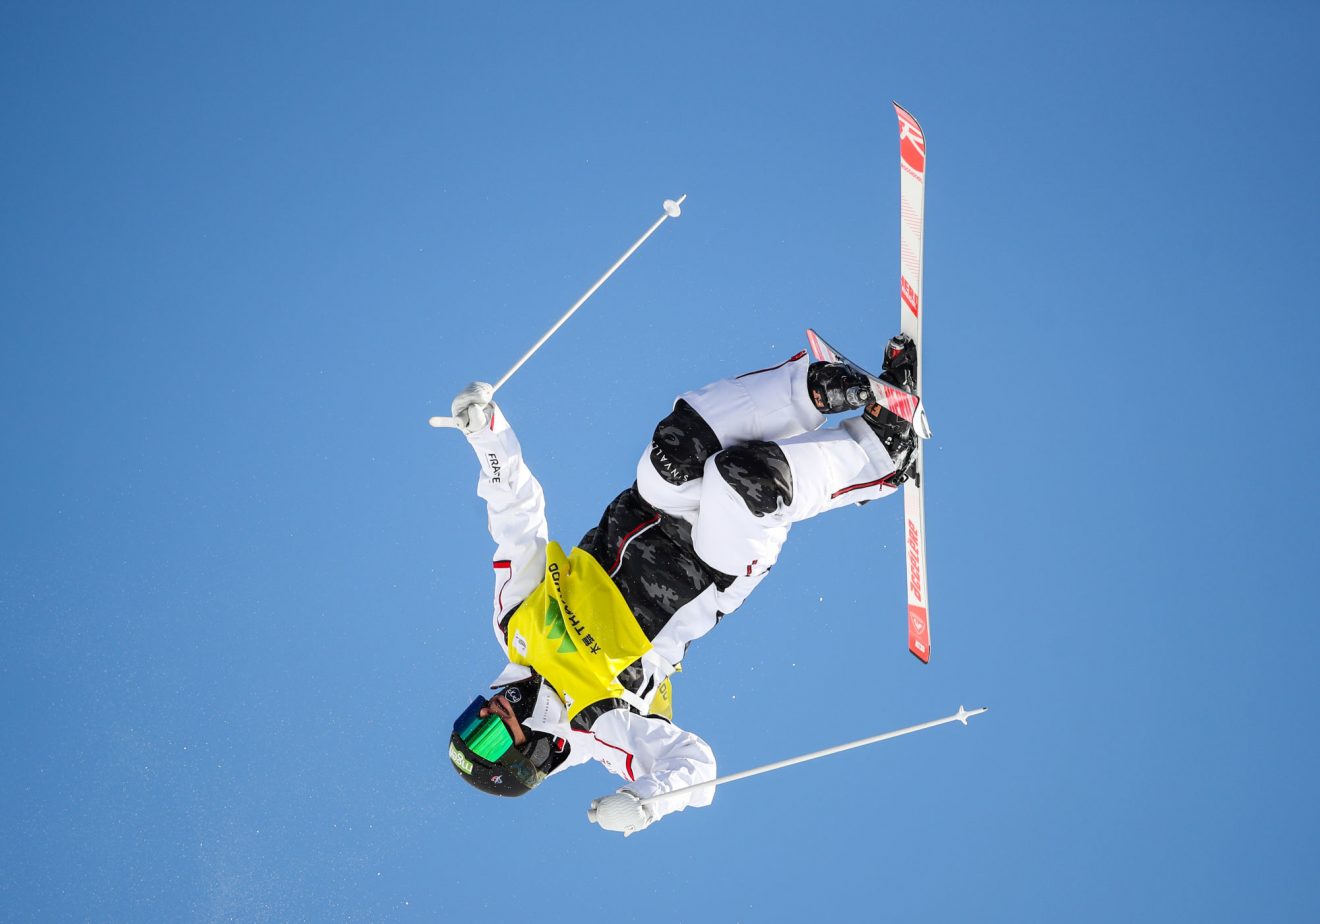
pixel 248 251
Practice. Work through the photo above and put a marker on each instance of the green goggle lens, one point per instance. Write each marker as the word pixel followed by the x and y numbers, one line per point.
pixel 489 737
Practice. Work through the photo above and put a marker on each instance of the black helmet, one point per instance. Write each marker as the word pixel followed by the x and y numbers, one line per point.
pixel 483 752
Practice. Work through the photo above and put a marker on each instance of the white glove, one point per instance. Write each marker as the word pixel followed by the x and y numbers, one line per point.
pixel 471 408
pixel 622 811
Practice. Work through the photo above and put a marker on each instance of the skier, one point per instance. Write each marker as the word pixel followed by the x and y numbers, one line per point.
pixel 593 635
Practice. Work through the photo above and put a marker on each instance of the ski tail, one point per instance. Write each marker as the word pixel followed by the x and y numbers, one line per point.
pixel 820 349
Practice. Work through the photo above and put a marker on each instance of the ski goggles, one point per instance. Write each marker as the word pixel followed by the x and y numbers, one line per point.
pixel 486 737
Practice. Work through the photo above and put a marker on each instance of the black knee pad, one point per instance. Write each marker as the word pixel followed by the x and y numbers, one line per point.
pixel 682 443
pixel 759 473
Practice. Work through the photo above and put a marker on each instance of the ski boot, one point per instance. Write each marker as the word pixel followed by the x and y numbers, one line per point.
pixel 898 439
pixel 836 387
pixel 900 369
pixel 900 362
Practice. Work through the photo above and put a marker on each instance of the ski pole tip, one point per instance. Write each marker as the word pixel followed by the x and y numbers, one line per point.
pixel 672 207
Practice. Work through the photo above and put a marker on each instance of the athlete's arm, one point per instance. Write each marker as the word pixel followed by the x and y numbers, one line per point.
pixel 655 757
pixel 515 506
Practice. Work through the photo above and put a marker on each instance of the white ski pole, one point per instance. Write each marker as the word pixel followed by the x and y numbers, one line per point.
pixel 672 210
pixel 962 715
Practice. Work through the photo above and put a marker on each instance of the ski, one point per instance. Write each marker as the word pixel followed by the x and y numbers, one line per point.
pixel 912 234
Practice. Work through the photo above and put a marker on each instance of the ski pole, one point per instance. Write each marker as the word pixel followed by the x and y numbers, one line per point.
pixel 672 210
pixel 962 715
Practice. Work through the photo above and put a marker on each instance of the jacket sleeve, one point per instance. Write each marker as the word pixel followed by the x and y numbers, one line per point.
pixel 656 757
pixel 515 508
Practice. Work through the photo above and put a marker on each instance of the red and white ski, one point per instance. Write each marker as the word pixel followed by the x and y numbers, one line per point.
pixel 912 231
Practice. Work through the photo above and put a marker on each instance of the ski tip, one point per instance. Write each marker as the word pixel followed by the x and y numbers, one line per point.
pixel 904 113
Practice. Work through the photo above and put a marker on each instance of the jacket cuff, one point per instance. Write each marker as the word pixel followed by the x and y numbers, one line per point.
pixel 643 788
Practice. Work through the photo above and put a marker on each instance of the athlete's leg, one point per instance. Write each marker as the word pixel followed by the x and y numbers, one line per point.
pixel 753 493
pixel 769 404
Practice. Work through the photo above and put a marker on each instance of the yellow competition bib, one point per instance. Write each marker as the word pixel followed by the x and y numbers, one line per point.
pixel 577 632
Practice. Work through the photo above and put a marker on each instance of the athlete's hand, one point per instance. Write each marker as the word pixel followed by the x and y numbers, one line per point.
pixel 622 811
pixel 471 407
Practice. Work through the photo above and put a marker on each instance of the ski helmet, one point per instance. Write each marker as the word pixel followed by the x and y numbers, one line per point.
pixel 484 755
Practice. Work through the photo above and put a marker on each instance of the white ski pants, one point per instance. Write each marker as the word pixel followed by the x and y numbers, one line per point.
pixel 829 467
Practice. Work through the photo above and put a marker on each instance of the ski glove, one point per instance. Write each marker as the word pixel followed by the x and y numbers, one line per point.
pixel 471 408
pixel 622 811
